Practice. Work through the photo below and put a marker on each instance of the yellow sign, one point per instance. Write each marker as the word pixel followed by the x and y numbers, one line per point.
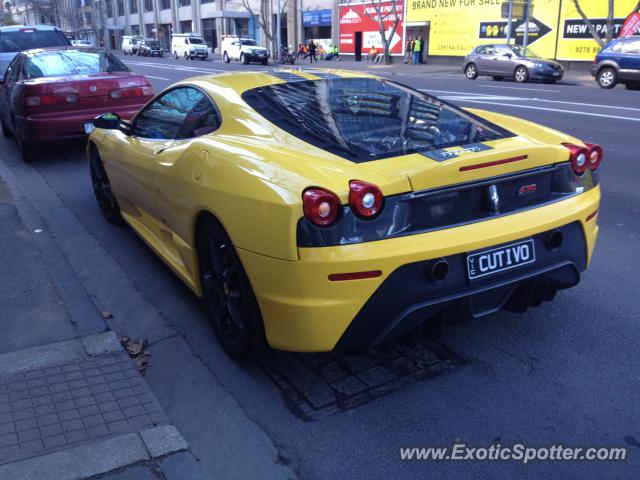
pixel 457 26
pixel 576 42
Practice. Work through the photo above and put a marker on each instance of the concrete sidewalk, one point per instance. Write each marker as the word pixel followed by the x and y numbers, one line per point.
pixel 72 403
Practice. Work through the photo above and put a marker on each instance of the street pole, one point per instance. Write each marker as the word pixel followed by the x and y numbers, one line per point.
pixel 510 22
pixel 525 42
pixel 278 33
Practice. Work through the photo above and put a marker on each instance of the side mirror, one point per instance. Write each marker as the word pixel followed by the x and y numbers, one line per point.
pixel 108 121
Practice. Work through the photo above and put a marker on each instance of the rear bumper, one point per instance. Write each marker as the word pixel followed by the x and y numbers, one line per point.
pixel 62 126
pixel 304 311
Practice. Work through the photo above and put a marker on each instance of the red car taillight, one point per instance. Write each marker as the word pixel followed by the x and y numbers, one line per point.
pixel 320 206
pixel 51 99
pixel 584 157
pixel 365 199
pixel 143 91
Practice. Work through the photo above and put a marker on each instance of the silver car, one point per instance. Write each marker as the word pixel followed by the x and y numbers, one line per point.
pixel 510 61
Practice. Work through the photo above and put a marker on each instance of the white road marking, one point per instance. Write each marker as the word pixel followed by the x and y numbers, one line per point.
pixel 184 68
pixel 520 88
pixel 526 99
pixel 531 107
pixel 156 78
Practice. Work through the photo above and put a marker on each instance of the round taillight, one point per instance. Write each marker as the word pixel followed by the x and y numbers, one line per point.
pixel 320 206
pixel 595 155
pixel 365 199
pixel 579 158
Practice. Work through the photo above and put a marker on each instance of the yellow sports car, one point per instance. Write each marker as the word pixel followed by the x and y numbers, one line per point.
pixel 324 209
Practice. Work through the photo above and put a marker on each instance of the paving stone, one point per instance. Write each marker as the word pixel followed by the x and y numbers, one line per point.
pixel 7 428
pixel 349 386
pixel 113 416
pixel 26 424
pixel 24 413
pixel 108 407
pixel 88 410
pixel 27 435
pixel 52 371
pixel 333 371
pixel 133 411
pixel 32 446
pixel 47 419
pixel 8 439
pixel 54 441
pixel 50 430
pixel 68 415
pixel 98 431
pixel 163 440
pixel 376 376
pixel 72 425
pixel 76 436
pixel 93 420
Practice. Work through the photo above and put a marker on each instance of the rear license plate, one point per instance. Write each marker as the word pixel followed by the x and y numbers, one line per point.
pixel 499 259
pixel 556 74
pixel 88 128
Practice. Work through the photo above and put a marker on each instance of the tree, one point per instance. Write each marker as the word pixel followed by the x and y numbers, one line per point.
pixel 265 19
pixel 383 14
pixel 592 30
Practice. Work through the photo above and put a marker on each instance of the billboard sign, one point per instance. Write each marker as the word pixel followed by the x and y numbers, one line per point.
pixel 354 20
pixel 316 18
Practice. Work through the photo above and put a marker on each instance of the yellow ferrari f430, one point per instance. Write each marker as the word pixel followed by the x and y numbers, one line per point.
pixel 315 210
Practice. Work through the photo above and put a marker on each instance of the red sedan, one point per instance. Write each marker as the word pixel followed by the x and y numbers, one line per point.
pixel 53 94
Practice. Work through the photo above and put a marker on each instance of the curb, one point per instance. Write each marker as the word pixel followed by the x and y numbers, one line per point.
pixel 99 457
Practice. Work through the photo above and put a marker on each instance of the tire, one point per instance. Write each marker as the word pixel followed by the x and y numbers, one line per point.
pixel 521 74
pixel 607 78
pixel 227 294
pixel 102 189
pixel 549 81
pixel 203 58
pixel 27 151
pixel 266 62
pixel 244 59
pixel 471 71
pixel 497 78
pixel 225 57
pixel 186 57
pixel 6 133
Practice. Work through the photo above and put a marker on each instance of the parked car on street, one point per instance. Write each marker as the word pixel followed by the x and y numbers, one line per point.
pixel 329 209
pixel 81 43
pixel 130 44
pixel 53 94
pixel 510 61
pixel 150 48
pixel 189 46
pixel 245 50
pixel 618 62
pixel 16 38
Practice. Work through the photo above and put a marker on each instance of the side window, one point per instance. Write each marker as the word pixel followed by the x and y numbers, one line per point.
pixel 180 113
pixel 631 47
pixel 502 49
pixel 484 50
pixel 13 72
pixel 201 120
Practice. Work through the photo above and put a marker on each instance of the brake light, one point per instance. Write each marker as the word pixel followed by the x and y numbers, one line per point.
pixel 365 199
pixel 595 155
pixel 320 206
pixel 51 99
pixel 579 158
pixel 143 91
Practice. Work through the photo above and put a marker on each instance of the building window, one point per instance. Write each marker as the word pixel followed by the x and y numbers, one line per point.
pixel 165 4
pixel 185 26
pixel 209 32
pixel 133 6
pixel 135 29
pixel 120 7
pixel 185 3
pixel 109 8
pixel 238 26
pixel 148 5
pixel 148 29
pixel 207 1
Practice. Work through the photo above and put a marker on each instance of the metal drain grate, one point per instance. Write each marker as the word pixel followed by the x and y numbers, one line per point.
pixel 319 384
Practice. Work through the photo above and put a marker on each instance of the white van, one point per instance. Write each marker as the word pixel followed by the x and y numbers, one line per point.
pixel 130 44
pixel 189 46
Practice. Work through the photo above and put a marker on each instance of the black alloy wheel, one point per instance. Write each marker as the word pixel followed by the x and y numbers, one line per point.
pixel 102 189
pixel 227 294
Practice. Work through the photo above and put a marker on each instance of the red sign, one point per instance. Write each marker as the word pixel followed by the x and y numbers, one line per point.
pixel 355 23
pixel 631 25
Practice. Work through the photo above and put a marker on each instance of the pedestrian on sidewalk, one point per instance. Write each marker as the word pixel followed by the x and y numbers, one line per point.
pixel 416 51
pixel 312 52
pixel 421 59
pixel 373 52
pixel 407 50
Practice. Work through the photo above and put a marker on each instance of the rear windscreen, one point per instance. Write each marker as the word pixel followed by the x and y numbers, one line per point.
pixel 18 41
pixel 364 119
pixel 71 62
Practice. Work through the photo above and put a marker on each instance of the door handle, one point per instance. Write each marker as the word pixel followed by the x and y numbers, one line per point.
pixel 159 150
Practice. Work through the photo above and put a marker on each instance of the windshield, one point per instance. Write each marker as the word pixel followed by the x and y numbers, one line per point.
pixel 71 62
pixel 249 42
pixel 365 119
pixel 196 41
pixel 27 39
pixel 524 52
pixel 153 43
